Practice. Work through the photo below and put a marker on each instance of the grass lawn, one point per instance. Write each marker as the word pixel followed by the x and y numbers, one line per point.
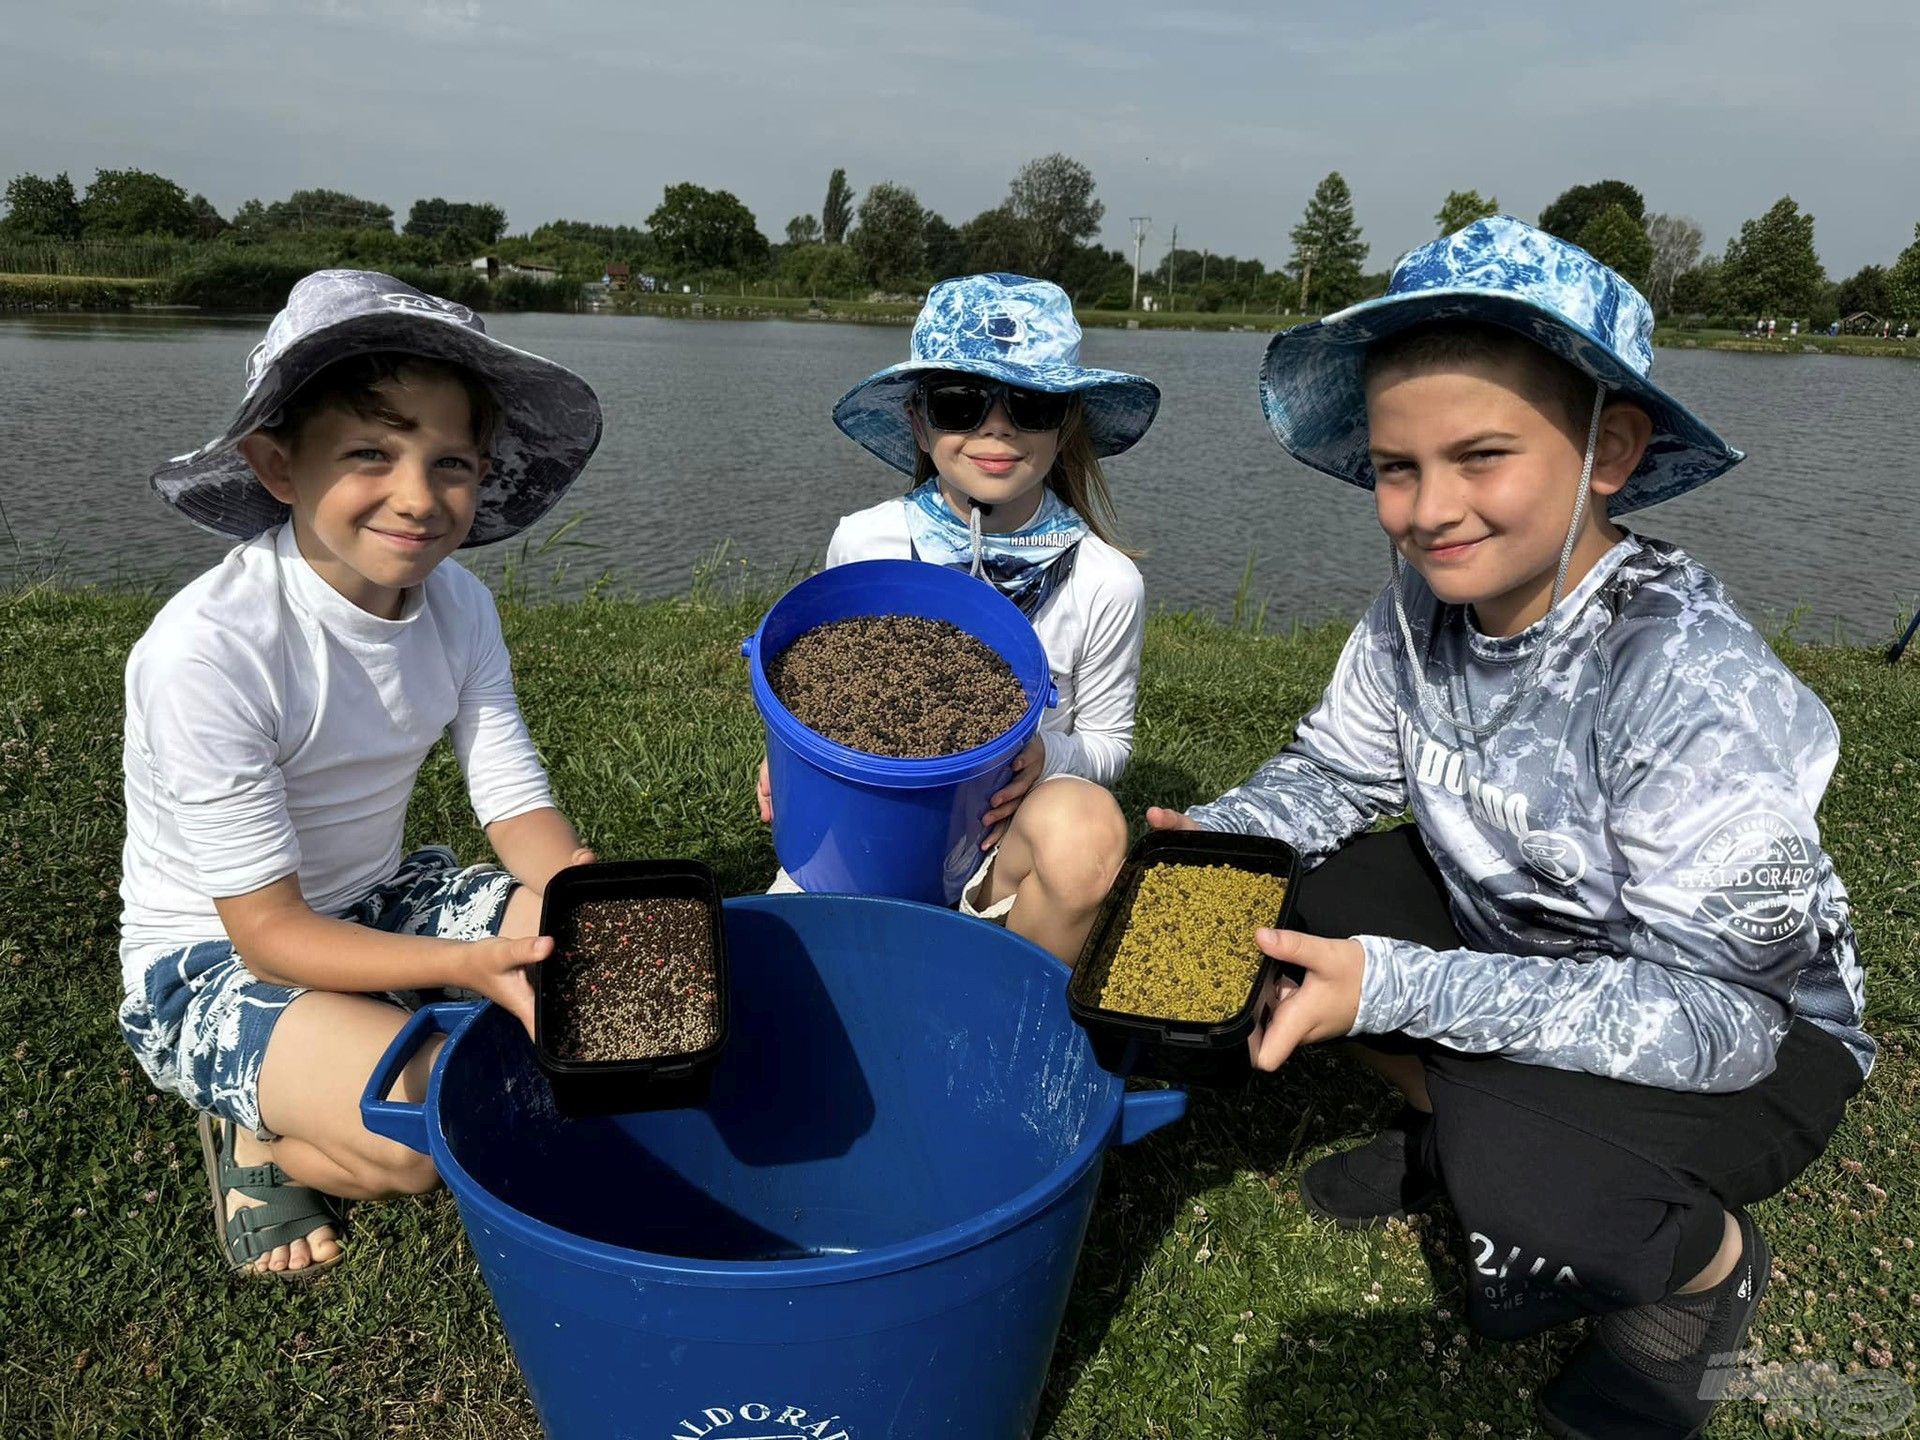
pixel 1208 1304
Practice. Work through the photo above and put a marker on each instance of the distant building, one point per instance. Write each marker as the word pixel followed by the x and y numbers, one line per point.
pixel 485 265
pixel 618 277
pixel 536 272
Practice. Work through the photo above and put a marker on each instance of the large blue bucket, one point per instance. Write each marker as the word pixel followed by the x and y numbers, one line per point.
pixel 867 1231
pixel 861 824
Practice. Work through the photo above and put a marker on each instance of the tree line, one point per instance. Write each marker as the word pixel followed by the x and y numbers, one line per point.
pixel 887 242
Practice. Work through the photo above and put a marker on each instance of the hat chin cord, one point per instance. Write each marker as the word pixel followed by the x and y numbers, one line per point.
pixel 1429 694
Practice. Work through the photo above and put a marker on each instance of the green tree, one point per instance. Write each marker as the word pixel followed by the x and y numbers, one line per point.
pixel 1462 207
pixel 946 249
pixel 1696 291
pixel 995 240
pixel 818 269
pixel 891 237
pixel 1575 209
pixel 706 229
pixel 1676 249
pixel 458 223
pixel 803 230
pixel 136 202
pixel 837 211
pixel 1327 249
pixel 43 208
pixel 1771 266
pixel 1865 289
pixel 326 210
pixel 207 221
pixel 1903 281
pixel 1616 239
pixel 1052 198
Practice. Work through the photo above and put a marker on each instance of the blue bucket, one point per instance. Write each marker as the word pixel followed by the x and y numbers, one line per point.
pixel 867 1231
pixel 861 824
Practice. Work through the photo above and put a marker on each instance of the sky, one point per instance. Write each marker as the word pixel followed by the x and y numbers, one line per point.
pixel 1219 119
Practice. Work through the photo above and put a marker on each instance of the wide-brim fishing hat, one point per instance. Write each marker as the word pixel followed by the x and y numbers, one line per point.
pixel 1500 271
pixel 1002 327
pixel 549 417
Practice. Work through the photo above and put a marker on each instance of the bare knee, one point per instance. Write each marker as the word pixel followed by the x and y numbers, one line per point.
pixel 1079 841
pixel 384 1167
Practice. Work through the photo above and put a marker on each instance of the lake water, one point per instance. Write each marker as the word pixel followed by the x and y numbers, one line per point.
pixel 719 430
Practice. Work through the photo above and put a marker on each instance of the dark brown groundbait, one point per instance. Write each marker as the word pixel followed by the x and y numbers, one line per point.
pixel 897 685
pixel 633 981
pixel 1187 950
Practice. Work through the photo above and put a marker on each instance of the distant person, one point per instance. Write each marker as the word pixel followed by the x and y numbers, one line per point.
pixel 1770 325
pixel 1793 330
pixel 1002 431
pixel 1608 966
pixel 277 713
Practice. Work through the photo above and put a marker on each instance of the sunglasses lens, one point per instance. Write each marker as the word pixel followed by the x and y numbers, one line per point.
pixel 957 404
pixel 1036 409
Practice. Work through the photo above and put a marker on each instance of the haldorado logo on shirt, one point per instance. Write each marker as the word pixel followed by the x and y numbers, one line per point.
pixel 1758 875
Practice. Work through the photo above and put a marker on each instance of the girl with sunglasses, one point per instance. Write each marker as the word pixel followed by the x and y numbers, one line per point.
pixel 1003 431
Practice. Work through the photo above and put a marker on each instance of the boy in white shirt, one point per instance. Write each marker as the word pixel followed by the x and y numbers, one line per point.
pixel 278 710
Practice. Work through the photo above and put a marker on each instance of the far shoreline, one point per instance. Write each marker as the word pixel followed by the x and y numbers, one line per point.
pixel 57 295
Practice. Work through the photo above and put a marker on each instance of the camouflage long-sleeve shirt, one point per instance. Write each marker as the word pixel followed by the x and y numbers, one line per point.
pixel 1632 858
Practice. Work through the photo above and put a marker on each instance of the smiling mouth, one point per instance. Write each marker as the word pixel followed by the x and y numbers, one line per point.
pixel 995 462
pixel 1448 552
pixel 404 537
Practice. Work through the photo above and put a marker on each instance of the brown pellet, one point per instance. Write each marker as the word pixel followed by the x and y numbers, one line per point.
pixel 897 685
pixel 632 980
pixel 1185 949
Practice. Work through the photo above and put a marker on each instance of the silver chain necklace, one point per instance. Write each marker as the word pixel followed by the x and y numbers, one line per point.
pixel 1428 694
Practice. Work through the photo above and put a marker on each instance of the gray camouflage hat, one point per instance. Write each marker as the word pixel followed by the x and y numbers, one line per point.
pixel 549 417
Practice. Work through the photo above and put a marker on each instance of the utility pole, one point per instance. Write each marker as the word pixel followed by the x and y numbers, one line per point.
pixel 1306 277
pixel 1141 224
pixel 1172 245
pixel 1203 267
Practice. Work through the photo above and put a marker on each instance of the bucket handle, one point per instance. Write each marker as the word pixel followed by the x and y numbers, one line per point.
pixel 396 1119
pixel 1144 1111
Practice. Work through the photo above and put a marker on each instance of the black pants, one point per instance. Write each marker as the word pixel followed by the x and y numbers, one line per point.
pixel 1578 1193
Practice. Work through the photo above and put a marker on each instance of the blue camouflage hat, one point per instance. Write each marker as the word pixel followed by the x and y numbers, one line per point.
pixel 1500 271
pixel 549 417
pixel 1004 327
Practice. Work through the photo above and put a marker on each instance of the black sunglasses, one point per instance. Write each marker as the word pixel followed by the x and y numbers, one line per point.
pixel 958 403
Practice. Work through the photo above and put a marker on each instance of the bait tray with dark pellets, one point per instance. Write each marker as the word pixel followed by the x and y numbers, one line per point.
pixel 1194 1052
pixel 599 1087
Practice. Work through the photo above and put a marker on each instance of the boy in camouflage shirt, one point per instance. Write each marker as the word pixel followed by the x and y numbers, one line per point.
pixel 1608 965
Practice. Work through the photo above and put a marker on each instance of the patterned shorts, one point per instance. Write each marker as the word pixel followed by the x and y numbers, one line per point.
pixel 200 1023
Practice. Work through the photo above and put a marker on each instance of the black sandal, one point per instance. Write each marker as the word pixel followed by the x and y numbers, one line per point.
pixel 287 1211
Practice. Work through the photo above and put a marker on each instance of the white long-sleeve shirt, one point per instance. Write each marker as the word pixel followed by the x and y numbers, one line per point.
pixel 275 728
pixel 1091 628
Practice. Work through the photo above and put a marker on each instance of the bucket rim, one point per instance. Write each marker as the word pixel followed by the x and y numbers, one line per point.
pixel 936 1245
pixel 900 772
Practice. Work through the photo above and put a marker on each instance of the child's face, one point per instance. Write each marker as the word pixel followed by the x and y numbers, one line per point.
pixel 1475 483
pixel 995 463
pixel 377 506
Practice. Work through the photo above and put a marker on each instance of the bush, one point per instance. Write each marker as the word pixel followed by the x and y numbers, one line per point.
pixel 530 292
pixel 62 292
pixel 258 281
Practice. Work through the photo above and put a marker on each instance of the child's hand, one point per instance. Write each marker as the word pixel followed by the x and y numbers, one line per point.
pixel 498 969
pixel 1163 819
pixel 1026 770
pixel 1323 1006
pixel 583 856
pixel 766 793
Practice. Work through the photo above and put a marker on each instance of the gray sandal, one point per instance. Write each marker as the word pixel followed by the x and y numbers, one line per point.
pixel 287 1211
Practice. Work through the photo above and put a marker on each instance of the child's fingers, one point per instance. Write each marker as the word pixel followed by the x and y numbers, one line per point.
pixel 584 856
pixel 1273 1046
pixel 993 837
pixel 1161 818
